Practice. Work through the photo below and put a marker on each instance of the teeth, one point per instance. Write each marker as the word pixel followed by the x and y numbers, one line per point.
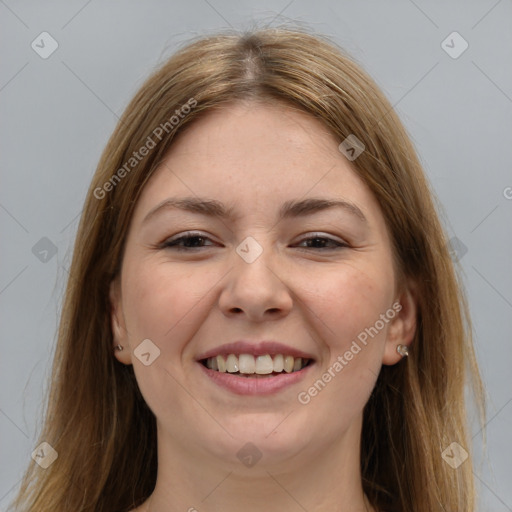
pixel 264 365
pixel 288 364
pixel 247 364
pixel 278 363
pixel 221 363
pixel 232 364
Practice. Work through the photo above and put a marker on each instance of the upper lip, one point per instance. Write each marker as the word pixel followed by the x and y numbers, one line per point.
pixel 256 348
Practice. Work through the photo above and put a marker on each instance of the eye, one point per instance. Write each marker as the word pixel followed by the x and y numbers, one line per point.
pixel 196 240
pixel 322 241
pixel 189 241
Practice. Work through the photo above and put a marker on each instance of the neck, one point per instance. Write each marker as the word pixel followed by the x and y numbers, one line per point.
pixel 315 479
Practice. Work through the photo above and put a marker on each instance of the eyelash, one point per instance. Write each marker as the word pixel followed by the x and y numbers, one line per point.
pixel 173 244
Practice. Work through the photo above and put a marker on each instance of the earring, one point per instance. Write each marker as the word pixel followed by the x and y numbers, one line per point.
pixel 403 350
pixel 119 347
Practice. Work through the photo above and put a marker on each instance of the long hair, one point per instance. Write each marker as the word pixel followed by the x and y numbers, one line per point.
pixel 97 420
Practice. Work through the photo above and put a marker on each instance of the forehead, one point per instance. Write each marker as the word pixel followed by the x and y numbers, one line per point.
pixel 255 155
pixel 241 130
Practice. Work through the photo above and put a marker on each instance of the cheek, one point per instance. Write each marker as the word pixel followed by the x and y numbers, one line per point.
pixel 350 300
pixel 159 301
pixel 353 333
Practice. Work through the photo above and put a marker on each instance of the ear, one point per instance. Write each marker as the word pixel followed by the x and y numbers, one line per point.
pixel 119 332
pixel 402 328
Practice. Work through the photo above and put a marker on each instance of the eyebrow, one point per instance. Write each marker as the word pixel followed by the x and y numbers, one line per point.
pixel 289 209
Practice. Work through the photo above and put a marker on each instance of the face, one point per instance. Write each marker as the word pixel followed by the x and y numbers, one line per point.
pixel 314 286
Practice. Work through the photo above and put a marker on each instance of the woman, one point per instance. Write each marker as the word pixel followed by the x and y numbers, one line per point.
pixel 262 310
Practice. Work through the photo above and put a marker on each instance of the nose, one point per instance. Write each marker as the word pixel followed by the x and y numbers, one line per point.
pixel 256 289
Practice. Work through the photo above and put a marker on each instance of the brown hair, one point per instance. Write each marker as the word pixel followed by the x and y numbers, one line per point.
pixel 96 418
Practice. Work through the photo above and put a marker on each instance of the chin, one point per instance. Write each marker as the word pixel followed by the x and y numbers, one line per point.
pixel 272 438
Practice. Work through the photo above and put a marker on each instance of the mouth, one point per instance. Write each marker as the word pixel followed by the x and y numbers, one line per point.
pixel 254 368
pixel 262 366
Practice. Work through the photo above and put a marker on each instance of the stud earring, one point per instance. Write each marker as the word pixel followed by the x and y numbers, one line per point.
pixel 403 350
pixel 119 347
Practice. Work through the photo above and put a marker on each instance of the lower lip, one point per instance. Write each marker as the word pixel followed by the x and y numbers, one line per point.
pixel 255 385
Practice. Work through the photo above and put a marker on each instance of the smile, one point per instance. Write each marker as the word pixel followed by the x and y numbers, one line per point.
pixel 247 365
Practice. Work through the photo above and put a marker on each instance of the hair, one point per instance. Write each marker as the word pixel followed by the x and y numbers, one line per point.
pixel 96 418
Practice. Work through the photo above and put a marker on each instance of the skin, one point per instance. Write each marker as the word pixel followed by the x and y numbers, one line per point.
pixel 255 157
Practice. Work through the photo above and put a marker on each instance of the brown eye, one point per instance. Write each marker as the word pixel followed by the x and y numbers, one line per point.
pixel 189 241
pixel 322 242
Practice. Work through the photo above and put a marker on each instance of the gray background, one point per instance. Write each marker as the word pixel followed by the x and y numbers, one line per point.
pixel 57 114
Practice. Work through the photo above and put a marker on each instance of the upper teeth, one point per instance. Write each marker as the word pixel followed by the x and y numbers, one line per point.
pixel 262 365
